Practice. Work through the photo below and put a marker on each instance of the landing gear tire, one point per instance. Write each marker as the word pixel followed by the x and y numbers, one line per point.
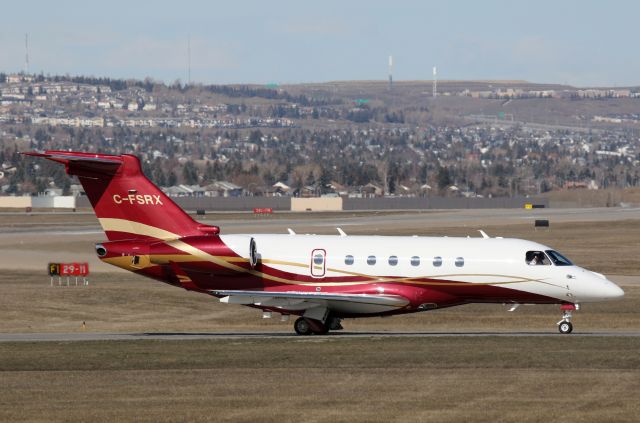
pixel 324 329
pixel 565 327
pixel 302 327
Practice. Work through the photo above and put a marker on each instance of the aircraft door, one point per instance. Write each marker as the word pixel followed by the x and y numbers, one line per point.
pixel 318 262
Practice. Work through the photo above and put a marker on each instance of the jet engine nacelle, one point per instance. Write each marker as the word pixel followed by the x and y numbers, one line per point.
pixel 189 251
pixel 127 254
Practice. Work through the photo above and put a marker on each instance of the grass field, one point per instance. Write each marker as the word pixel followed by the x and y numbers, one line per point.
pixel 324 379
pixel 318 379
pixel 123 302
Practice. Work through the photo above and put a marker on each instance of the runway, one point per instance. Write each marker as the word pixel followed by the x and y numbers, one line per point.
pixel 374 221
pixel 184 336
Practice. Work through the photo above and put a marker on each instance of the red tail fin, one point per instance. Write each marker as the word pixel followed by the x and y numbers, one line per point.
pixel 127 204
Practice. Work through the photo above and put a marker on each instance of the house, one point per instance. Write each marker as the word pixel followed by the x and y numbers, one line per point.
pixel 338 188
pixel 76 190
pixel 14 79
pixel 53 192
pixel 306 192
pixel 371 190
pixel 425 188
pixel 185 191
pixel 223 189
pixel 280 189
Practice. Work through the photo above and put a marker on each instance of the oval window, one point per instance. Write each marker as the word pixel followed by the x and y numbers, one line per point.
pixel 318 259
pixel 415 261
pixel 348 260
pixel 393 260
pixel 437 261
pixel 459 261
pixel 371 260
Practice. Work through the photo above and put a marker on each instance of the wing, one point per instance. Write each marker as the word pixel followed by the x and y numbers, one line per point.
pixel 296 301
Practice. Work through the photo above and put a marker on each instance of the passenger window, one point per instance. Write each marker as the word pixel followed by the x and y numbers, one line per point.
pixel 371 260
pixel 318 259
pixel 459 261
pixel 536 258
pixel 415 261
pixel 348 260
pixel 393 260
pixel 437 261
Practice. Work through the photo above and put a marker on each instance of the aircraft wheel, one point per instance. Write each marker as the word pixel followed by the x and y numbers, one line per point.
pixel 302 327
pixel 565 327
pixel 323 330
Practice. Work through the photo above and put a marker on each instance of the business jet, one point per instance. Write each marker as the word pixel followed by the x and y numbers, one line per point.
pixel 320 279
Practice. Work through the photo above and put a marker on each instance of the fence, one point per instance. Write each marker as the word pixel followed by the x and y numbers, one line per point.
pixel 44 202
pixel 422 203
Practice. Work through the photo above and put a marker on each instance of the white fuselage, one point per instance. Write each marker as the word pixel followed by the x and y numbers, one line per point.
pixel 485 261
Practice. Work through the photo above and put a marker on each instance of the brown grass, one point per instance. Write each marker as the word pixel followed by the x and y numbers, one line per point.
pixel 593 198
pixel 120 301
pixel 318 379
pixel 124 302
pixel 444 379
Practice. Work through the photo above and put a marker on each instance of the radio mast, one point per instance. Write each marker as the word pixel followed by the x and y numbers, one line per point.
pixel 26 54
pixel 435 83
pixel 390 72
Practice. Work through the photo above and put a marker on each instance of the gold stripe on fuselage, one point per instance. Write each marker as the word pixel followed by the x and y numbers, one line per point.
pixel 173 240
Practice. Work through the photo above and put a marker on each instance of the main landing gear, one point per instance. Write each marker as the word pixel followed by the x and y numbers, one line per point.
pixel 564 325
pixel 302 327
pixel 306 326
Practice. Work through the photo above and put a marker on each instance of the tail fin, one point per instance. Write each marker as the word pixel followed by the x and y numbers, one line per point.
pixel 127 204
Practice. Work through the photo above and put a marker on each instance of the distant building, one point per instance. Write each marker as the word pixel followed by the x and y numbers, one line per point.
pixel 223 189
pixel 280 189
pixel 184 191
pixel 14 78
pixel 371 190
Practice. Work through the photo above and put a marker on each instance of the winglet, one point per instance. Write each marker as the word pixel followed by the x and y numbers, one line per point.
pixel 341 232
pixel 483 233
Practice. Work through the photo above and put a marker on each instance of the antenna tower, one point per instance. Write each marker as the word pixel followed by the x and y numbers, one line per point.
pixel 435 82
pixel 189 60
pixel 26 53
pixel 390 72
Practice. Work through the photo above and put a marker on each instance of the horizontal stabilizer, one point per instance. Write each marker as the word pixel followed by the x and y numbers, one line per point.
pixel 127 204
pixel 65 157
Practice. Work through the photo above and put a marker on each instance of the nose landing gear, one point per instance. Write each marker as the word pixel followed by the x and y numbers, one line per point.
pixel 564 325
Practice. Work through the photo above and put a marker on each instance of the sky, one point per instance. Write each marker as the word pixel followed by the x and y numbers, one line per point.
pixel 580 43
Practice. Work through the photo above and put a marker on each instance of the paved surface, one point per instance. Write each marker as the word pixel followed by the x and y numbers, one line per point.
pixel 478 218
pixel 181 336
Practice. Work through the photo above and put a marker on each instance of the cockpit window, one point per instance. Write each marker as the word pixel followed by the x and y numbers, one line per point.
pixel 537 258
pixel 558 259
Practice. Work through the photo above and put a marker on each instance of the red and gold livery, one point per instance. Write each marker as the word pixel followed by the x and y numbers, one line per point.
pixel 322 279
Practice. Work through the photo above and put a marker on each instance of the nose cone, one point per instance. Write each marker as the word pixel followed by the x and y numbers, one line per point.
pixel 614 291
pixel 608 290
